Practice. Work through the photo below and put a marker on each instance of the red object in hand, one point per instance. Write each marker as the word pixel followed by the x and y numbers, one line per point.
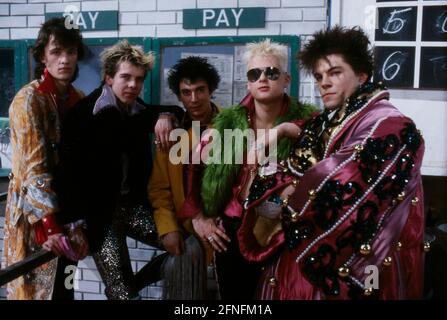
pixel 45 227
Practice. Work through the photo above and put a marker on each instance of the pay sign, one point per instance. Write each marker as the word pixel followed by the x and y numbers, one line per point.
pixel 87 20
pixel 223 18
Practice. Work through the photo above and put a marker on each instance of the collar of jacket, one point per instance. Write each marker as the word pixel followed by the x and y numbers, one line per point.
pixel 47 85
pixel 107 99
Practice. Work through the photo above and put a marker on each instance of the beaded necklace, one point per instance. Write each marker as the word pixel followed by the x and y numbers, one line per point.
pixel 311 147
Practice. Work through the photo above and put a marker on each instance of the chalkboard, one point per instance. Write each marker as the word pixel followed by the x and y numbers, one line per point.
pixel 433 74
pixel 6 80
pixel 396 24
pixel 434 23
pixel 395 66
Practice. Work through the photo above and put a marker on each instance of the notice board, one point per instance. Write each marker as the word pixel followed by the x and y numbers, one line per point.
pixel 225 53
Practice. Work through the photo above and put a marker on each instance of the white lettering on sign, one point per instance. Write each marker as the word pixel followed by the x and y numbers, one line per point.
pixel 93 18
pixel 237 15
pixel 222 18
pixel 74 18
pixel 80 21
pixel 208 14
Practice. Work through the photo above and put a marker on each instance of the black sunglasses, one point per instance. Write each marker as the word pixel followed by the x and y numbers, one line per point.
pixel 272 73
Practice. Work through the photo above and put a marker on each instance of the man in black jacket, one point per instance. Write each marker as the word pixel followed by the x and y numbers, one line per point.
pixel 106 164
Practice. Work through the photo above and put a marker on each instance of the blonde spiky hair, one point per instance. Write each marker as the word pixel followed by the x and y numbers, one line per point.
pixel 265 48
pixel 123 51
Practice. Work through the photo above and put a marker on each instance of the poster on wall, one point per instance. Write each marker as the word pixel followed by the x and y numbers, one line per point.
pixel 395 66
pixel 223 63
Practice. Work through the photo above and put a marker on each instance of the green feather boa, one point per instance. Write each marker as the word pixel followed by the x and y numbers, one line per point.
pixel 219 179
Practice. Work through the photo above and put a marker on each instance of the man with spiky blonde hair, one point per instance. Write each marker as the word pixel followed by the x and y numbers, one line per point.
pixel 267 48
pixel 105 139
pixel 266 107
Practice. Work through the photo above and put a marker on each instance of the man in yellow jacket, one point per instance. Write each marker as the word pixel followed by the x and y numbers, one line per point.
pixel 173 187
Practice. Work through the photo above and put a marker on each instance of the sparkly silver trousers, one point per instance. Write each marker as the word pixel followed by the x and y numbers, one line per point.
pixel 112 259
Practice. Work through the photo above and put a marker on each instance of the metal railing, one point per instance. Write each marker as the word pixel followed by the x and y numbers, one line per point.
pixel 149 274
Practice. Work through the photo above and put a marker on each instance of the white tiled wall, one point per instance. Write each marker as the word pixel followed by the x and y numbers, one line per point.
pixel 20 19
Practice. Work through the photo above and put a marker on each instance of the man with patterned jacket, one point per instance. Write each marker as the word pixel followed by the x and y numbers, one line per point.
pixel 33 205
pixel 351 199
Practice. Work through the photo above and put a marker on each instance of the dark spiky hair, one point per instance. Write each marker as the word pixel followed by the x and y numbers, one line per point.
pixel 193 68
pixel 351 43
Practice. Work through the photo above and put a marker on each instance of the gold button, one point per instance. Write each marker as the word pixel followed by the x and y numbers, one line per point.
pixel 401 196
pixel 358 148
pixel 343 272
pixel 273 281
pixel 368 291
pixel 414 201
pixel 40 183
pixel 365 249
pixel 399 246
pixel 427 246
pixel 387 261
pixel 294 216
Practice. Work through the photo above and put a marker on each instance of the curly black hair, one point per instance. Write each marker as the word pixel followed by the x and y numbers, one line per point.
pixel 193 68
pixel 351 43
pixel 65 37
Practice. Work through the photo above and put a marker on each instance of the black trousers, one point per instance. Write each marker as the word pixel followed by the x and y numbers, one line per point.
pixel 237 278
pixel 64 288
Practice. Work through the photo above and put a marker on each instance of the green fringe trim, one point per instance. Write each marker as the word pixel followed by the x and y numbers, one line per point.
pixel 219 179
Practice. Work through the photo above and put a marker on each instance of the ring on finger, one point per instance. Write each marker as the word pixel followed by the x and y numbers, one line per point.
pixel 210 239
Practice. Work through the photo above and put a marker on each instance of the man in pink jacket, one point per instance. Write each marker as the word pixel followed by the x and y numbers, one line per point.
pixel 349 197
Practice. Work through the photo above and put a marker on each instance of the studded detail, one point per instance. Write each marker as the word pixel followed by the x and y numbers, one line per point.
pixel 365 249
pixel 427 246
pixel 387 261
pixel 358 148
pixel 40 183
pixel 11 176
pixel 273 282
pixel 24 190
pixel 368 291
pixel 343 272
pixel 399 246
pixel 312 194
pixel 414 201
